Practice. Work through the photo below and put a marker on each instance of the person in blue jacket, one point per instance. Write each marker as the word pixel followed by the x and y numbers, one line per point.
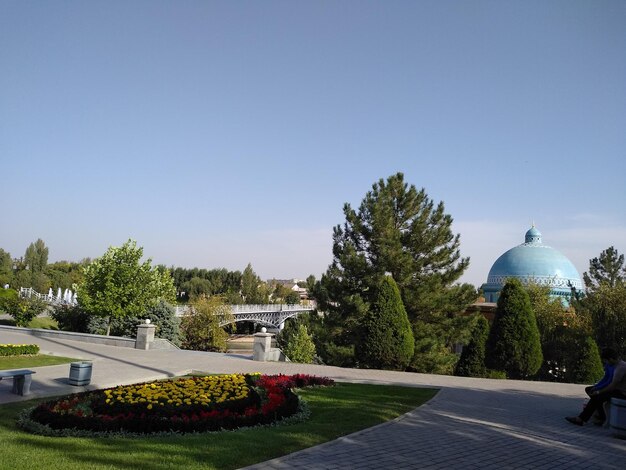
pixel 609 369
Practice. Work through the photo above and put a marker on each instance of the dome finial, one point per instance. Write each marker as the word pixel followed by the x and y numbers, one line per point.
pixel 533 235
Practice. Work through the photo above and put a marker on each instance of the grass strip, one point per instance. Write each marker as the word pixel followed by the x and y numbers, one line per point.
pixel 45 323
pixel 335 411
pixel 24 362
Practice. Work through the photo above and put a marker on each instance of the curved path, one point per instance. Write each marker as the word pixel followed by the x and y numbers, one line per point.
pixel 471 423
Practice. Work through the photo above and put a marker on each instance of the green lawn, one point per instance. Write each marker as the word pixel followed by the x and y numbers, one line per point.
pixel 335 411
pixel 45 323
pixel 20 362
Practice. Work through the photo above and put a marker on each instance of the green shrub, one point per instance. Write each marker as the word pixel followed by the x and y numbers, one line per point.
pixel 495 374
pixel 300 347
pixel 163 315
pixel 6 294
pixel 513 345
pixel 200 326
pixel 585 366
pixel 472 361
pixel 19 349
pixel 71 318
pixel 387 340
pixel 23 310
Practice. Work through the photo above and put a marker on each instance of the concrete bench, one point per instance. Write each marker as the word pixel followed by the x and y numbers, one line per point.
pixel 21 380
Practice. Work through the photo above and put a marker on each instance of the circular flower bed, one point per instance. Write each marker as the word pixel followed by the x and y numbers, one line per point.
pixel 195 404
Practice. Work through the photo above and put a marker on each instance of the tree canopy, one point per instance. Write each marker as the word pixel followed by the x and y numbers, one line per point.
pixel 397 230
pixel 608 268
pixel 117 284
pixel 36 256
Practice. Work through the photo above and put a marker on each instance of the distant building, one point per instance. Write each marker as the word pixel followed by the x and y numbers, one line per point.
pixel 532 261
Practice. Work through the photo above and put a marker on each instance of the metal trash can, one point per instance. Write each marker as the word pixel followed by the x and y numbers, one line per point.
pixel 617 418
pixel 80 373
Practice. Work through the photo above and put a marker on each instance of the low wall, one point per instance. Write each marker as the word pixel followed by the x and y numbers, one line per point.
pixel 119 341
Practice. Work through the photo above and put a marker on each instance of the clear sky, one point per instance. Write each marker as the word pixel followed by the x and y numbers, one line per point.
pixel 217 133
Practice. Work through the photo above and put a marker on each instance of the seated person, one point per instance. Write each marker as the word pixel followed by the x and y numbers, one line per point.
pixel 616 388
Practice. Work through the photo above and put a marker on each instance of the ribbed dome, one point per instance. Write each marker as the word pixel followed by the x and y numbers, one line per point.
pixel 533 261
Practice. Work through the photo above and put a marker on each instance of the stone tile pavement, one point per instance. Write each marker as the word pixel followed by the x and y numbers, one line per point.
pixel 470 424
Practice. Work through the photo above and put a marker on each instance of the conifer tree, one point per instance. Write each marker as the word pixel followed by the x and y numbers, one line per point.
pixel 513 345
pixel 585 366
pixel 398 230
pixel 472 361
pixel 387 341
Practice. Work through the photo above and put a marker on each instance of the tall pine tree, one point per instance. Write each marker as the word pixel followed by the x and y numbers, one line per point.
pixel 397 230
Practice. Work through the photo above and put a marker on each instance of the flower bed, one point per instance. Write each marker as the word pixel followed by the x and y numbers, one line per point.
pixel 196 404
pixel 18 349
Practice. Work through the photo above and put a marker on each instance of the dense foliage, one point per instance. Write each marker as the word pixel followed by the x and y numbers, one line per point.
pixel 386 340
pixel 603 305
pixel 23 310
pixel 513 345
pixel 472 360
pixel 299 346
pixel 200 325
pixel 118 285
pixel 397 230
pixel 162 315
pixel 564 336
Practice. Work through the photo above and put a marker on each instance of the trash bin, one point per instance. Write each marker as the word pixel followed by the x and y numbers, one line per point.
pixel 617 418
pixel 80 373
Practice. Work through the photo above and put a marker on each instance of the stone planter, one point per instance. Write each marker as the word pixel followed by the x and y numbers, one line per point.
pixel 617 418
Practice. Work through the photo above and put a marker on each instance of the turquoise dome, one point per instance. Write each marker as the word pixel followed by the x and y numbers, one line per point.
pixel 532 261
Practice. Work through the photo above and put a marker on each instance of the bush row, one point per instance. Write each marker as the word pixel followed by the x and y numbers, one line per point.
pixel 18 349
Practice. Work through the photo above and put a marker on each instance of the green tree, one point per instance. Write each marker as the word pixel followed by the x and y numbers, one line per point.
pixel 605 306
pixel 585 366
pixel 398 230
pixel 387 340
pixel 300 346
pixel 607 269
pixel 292 298
pixel 23 310
pixel 36 256
pixel 252 291
pixel 197 287
pixel 118 285
pixel 200 326
pixel 514 345
pixel 6 268
pixel 472 360
pixel 604 303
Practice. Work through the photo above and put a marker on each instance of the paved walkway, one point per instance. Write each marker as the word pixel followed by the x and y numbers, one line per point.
pixel 471 423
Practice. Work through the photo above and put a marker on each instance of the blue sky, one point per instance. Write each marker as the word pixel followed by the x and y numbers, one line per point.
pixel 222 133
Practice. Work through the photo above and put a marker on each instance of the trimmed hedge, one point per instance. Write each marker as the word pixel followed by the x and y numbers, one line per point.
pixel 18 349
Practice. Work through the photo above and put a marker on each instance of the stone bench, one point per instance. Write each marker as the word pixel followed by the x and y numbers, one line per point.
pixel 21 380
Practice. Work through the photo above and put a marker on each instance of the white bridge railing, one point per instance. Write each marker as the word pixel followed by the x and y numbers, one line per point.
pixel 66 297
pixel 273 315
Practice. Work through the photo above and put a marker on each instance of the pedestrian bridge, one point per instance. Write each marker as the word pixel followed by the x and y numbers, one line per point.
pixel 271 315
